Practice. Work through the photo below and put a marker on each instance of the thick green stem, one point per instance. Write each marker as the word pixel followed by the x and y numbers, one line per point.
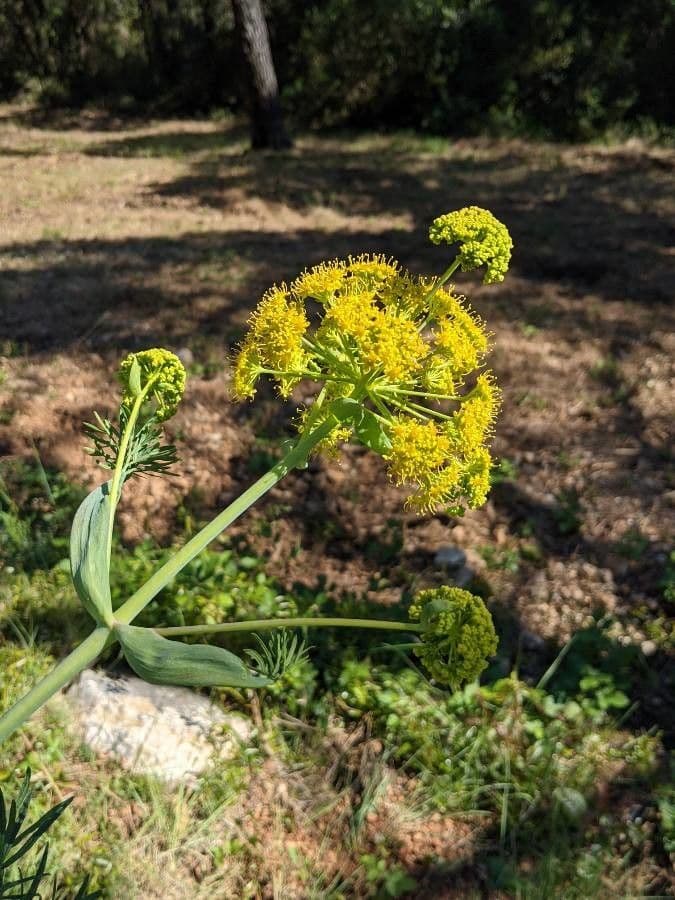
pixel 446 276
pixel 88 651
pixel 298 622
pixel 297 456
pixel 116 483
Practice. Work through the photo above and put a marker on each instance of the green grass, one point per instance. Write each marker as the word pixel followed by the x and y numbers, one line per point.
pixel 546 772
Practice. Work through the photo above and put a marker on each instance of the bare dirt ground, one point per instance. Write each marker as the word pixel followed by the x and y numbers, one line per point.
pixel 118 235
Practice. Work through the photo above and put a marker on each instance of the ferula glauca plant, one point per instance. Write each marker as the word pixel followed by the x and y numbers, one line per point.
pixel 398 360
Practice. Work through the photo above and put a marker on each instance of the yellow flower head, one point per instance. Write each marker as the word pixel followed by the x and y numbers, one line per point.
pixel 392 353
pixel 483 240
pixel 417 449
pixel 247 370
pixel 160 369
pixel 476 477
pixel 352 313
pixel 320 282
pixel 276 330
pixel 394 344
pixel 442 488
pixel 372 271
pixel 475 418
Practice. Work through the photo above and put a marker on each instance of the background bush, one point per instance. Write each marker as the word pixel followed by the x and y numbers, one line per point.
pixel 552 68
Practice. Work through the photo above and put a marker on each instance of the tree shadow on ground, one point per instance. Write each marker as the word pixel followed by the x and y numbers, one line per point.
pixel 592 222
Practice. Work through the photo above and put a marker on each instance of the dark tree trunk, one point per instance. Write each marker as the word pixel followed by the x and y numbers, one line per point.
pixel 267 126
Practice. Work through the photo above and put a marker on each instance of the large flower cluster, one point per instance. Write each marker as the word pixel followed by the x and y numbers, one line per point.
pixel 400 362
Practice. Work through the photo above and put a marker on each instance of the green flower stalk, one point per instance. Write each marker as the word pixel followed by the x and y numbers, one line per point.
pixel 398 360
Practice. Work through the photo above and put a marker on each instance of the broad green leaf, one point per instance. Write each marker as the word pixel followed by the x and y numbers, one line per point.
pixel 346 410
pixel 160 661
pixel 89 553
pixel 367 426
pixel 370 432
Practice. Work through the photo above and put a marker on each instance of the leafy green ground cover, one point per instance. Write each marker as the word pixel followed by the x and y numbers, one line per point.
pixel 565 796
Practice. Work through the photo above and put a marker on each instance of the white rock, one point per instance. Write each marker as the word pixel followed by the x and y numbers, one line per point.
pixel 169 732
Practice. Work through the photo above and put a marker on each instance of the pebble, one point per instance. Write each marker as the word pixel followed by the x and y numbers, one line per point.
pixel 186 356
pixel 450 557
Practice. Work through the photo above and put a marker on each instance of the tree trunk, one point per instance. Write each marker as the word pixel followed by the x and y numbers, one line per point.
pixel 267 126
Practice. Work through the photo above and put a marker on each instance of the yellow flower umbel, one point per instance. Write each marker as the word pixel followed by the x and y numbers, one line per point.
pixel 274 344
pixel 399 359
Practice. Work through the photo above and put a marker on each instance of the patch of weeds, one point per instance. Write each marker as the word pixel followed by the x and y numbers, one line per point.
pixel 20 667
pixel 506 748
pixel 21 842
pixel 264 453
pixel 608 373
pixel 218 586
pixel 53 234
pixel 13 349
pixel 506 559
pixel 567 513
pixel 387 547
pixel 632 544
pixel 43 608
pixel 531 551
pixel 271 514
pixel 531 400
pixel 505 470
pixel 7 413
pixel 568 461
pixel 384 878
pixel 667 583
pixel 36 510
pixel 665 798
pixel 528 330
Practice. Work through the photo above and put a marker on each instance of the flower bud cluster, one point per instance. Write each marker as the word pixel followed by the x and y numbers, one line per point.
pixel 458 637
pixel 483 240
pixel 165 374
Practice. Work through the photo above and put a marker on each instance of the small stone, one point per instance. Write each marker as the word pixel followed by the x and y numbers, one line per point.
pixel 450 557
pixel 186 356
pixel 169 732
pixel 539 587
pixel 649 648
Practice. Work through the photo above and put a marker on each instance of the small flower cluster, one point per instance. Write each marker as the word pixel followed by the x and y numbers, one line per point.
pixel 165 373
pixel 458 637
pixel 405 350
pixel 483 240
